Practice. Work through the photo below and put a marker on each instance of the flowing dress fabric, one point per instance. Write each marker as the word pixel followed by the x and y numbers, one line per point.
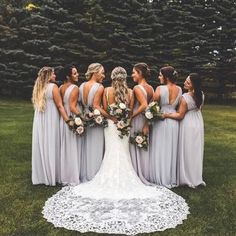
pixel 139 156
pixel 164 144
pixel 46 143
pixel 115 201
pixel 191 146
pixel 93 140
pixel 71 146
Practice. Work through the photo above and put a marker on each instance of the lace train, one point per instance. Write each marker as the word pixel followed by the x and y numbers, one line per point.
pixel 115 201
pixel 125 216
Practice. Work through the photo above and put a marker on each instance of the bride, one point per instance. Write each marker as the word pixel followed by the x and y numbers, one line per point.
pixel 115 201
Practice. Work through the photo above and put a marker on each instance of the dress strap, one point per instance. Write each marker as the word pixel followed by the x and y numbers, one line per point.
pixel 143 89
pixel 68 92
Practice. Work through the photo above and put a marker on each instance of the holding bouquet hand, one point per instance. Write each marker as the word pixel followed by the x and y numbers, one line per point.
pixel 77 125
pixel 153 112
pixel 121 112
pixel 140 140
pixel 95 118
pixel 70 122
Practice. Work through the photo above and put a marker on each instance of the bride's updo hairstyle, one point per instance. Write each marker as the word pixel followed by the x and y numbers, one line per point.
pixel 93 68
pixel 118 76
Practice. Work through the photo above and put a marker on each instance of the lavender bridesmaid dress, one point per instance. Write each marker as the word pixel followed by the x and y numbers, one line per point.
pixel 93 146
pixel 163 143
pixel 139 156
pixel 71 146
pixel 46 143
pixel 191 146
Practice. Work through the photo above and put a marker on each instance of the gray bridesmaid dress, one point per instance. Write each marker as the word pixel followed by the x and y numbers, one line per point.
pixel 139 156
pixel 46 143
pixel 71 146
pixel 93 141
pixel 164 142
pixel 191 146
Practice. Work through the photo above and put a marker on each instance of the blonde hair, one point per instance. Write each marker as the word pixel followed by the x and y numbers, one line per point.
pixel 40 86
pixel 93 68
pixel 118 76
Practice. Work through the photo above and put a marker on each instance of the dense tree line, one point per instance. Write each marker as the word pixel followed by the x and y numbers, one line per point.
pixel 192 35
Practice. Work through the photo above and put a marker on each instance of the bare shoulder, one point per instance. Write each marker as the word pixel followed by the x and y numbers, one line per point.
pixel 75 90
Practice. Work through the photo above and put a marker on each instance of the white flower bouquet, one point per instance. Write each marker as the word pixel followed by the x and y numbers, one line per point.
pixel 153 112
pixel 77 125
pixel 122 113
pixel 140 140
pixel 94 118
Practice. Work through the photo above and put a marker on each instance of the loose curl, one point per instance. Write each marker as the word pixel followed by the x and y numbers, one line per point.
pixel 118 76
pixel 93 68
pixel 40 86
pixel 197 91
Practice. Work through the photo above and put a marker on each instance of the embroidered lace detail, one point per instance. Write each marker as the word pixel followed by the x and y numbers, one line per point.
pixel 124 216
pixel 115 201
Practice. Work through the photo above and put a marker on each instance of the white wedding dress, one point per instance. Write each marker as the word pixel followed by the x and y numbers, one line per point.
pixel 115 201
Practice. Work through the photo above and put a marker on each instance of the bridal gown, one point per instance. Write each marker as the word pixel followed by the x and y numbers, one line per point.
pixel 115 201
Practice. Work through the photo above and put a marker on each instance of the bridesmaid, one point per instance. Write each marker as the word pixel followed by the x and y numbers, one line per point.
pixel 143 93
pixel 93 148
pixel 164 137
pixel 46 132
pixel 191 134
pixel 70 143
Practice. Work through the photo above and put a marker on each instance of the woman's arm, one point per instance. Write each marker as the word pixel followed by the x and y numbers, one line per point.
pixel 99 96
pixel 58 101
pixel 73 101
pixel 142 101
pixel 131 102
pixel 104 99
pixel 179 115
pixel 157 94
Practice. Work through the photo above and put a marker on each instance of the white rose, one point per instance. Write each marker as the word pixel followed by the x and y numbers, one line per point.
pixel 157 108
pixel 90 114
pixel 78 121
pixel 80 130
pixel 96 112
pixel 140 145
pixel 148 115
pixel 152 104
pixel 122 105
pixel 118 111
pixel 121 124
pixel 98 120
pixel 139 139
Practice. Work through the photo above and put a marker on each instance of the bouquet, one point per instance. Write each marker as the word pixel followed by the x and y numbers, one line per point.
pixel 122 113
pixel 94 118
pixel 77 125
pixel 140 140
pixel 153 112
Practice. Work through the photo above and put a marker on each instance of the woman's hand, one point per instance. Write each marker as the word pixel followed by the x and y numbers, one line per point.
pixel 164 115
pixel 70 122
pixel 146 129
pixel 114 119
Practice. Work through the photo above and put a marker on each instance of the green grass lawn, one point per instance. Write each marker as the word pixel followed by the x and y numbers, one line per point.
pixel 213 208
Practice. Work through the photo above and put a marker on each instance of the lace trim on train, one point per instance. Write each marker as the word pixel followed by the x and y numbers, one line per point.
pixel 124 216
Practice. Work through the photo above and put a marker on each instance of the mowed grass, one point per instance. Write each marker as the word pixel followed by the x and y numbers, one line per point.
pixel 213 208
